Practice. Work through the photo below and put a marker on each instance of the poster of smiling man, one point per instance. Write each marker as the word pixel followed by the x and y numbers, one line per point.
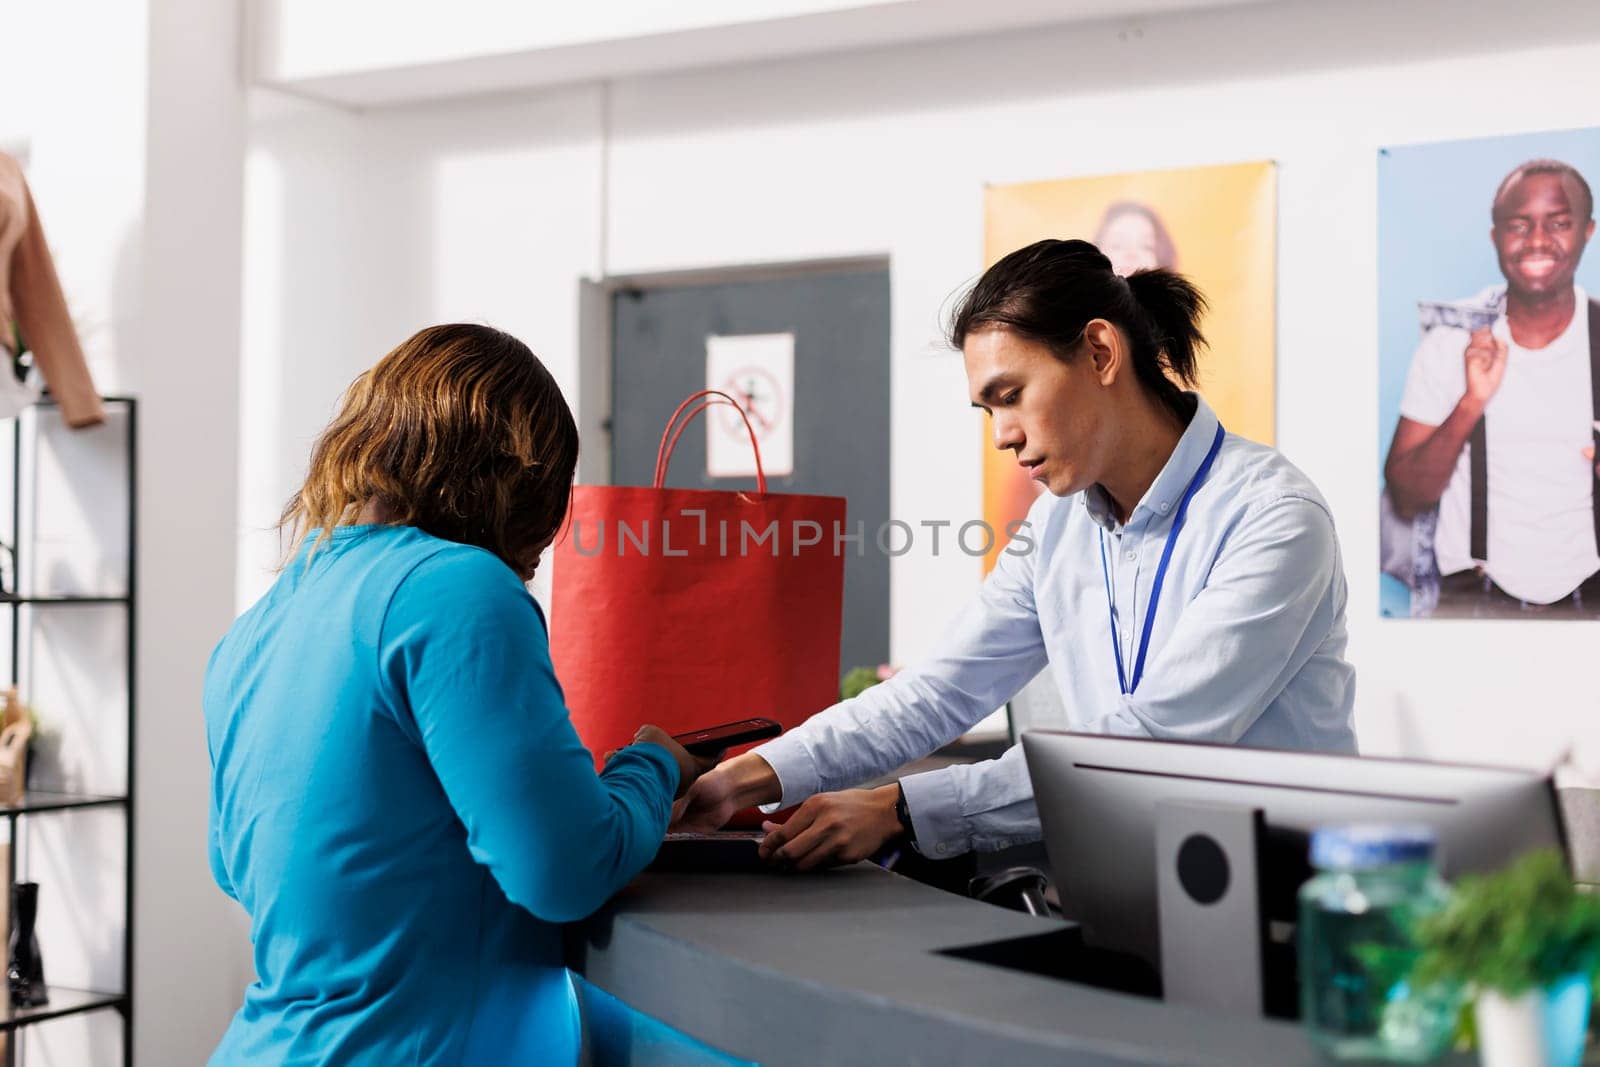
pixel 1489 378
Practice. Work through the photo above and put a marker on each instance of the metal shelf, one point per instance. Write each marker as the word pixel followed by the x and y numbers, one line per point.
pixel 48 401
pixel 35 801
pixel 63 1002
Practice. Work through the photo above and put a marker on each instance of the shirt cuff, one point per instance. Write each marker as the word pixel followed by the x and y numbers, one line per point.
pixel 791 761
pixel 937 824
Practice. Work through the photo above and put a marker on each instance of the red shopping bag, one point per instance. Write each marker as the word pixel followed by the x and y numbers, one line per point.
pixel 690 608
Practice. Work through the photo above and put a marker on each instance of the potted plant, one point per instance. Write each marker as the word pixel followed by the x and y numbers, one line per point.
pixel 1526 942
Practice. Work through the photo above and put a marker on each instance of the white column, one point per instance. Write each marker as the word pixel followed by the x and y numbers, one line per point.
pixel 191 957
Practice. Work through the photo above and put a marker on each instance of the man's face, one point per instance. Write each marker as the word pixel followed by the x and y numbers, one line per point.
pixel 1539 235
pixel 1047 411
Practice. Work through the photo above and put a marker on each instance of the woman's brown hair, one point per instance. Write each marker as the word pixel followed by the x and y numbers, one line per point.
pixel 460 432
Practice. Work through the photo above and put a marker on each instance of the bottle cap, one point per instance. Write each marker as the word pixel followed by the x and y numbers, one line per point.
pixel 1368 845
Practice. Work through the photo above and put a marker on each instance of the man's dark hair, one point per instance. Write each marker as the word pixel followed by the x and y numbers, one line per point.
pixel 1543 166
pixel 1049 291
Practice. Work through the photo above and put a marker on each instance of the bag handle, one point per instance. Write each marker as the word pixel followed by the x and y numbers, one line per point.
pixel 670 435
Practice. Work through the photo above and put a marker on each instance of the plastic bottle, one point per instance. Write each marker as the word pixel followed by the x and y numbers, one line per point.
pixel 1357 946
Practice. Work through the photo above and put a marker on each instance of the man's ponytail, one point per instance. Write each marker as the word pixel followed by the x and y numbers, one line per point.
pixel 1174 308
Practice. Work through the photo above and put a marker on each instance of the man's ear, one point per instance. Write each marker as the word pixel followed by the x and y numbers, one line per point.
pixel 1105 349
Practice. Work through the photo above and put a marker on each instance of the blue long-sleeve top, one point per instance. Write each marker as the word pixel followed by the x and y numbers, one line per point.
pixel 402 806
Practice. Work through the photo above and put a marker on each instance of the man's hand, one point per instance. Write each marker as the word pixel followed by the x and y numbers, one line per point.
pixel 740 783
pixel 1486 364
pixel 833 828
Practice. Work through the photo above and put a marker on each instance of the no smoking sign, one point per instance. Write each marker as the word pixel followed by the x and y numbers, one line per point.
pixel 758 371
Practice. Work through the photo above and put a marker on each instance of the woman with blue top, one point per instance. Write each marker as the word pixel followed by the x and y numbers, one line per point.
pixel 398 798
pixel 1178 582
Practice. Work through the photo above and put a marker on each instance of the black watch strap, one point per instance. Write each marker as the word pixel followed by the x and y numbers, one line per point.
pixel 903 813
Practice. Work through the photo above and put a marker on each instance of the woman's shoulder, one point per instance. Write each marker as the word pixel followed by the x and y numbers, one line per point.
pixel 447 569
pixel 402 567
pixel 445 584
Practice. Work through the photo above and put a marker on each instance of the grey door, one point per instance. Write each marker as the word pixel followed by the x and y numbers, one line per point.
pixel 840 322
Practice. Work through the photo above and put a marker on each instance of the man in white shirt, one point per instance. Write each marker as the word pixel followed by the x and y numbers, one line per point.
pixel 1179 582
pixel 1497 425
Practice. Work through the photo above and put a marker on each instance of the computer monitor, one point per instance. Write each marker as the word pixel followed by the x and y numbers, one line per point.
pixel 1101 799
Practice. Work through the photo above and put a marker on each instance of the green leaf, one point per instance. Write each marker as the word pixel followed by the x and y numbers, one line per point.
pixel 1520 928
pixel 857 681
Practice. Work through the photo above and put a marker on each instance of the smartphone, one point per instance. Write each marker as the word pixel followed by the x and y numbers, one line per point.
pixel 714 739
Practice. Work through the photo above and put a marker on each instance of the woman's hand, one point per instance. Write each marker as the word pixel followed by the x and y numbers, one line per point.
pixel 833 828
pixel 690 767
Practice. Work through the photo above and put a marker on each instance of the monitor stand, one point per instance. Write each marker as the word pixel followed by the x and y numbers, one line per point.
pixel 1208 900
pixel 1226 891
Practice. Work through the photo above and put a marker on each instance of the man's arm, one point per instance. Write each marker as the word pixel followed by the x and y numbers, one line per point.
pixel 1238 643
pixel 990 651
pixel 1422 457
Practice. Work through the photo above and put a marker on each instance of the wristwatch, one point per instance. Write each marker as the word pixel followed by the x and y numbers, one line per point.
pixel 903 813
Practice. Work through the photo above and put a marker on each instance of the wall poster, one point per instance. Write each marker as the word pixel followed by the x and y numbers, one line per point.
pixel 1489 378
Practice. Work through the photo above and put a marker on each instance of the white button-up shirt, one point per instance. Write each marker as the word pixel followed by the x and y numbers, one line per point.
pixel 1247 647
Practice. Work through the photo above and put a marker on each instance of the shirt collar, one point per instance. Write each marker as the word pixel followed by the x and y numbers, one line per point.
pixel 1580 321
pixel 1165 492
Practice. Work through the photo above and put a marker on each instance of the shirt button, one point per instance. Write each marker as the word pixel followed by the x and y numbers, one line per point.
pixel 1165 507
pixel 941 849
pixel 1132 555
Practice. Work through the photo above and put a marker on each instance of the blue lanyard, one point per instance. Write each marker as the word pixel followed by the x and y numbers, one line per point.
pixel 1161 573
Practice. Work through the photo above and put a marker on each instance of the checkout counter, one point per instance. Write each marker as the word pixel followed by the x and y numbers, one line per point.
pixel 846 967
pixel 855 966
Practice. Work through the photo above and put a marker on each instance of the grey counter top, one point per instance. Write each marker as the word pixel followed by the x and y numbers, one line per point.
pixel 842 968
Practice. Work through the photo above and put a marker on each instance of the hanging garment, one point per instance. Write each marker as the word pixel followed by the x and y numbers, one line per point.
pixel 32 304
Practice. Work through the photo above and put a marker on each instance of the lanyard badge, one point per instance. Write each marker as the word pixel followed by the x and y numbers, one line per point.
pixel 1161 573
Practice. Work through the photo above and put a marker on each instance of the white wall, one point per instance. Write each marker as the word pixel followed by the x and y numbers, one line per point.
pixel 887 152
pixel 363 229
pixel 83 142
